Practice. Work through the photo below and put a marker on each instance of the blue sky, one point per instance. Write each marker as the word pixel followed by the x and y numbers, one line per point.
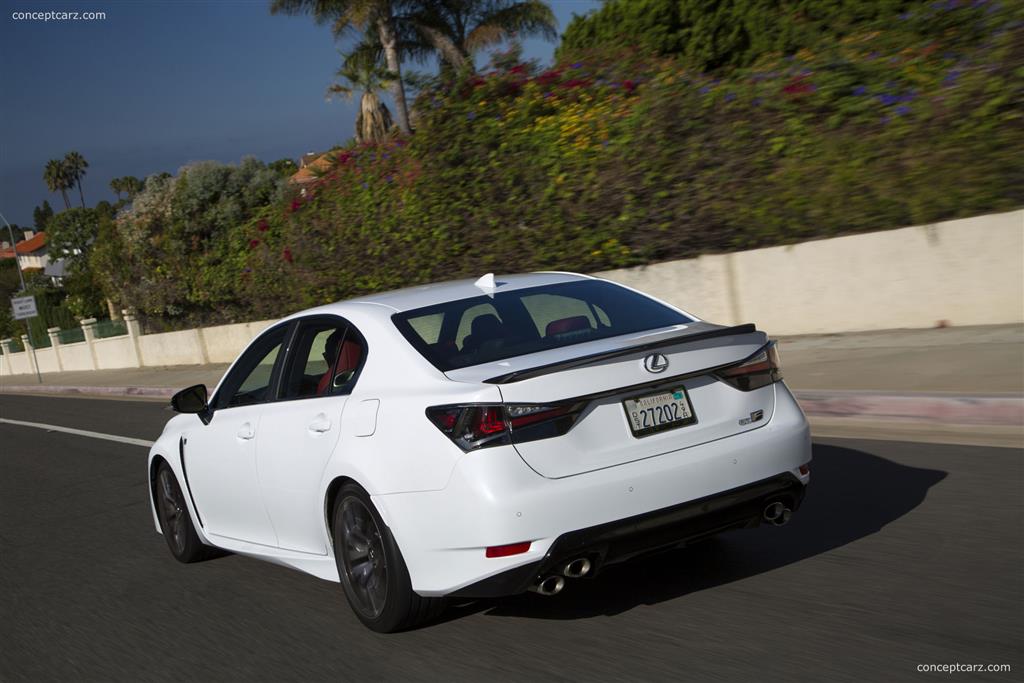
pixel 159 83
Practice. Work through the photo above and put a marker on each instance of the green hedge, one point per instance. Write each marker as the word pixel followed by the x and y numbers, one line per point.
pixel 621 158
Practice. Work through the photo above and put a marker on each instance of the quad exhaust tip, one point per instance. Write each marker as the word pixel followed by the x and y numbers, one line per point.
pixel 777 513
pixel 549 585
pixel 577 568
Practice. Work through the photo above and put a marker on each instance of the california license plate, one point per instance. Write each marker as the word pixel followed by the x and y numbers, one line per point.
pixel 658 412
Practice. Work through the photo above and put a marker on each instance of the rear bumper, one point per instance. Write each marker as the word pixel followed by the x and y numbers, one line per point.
pixel 624 539
pixel 493 498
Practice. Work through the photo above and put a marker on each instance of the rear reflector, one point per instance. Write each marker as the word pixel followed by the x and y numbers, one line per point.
pixel 805 470
pixel 506 550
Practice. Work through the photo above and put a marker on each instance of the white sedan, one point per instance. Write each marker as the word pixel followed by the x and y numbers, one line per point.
pixel 478 439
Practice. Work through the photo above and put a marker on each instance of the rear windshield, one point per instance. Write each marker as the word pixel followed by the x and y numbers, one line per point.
pixel 482 329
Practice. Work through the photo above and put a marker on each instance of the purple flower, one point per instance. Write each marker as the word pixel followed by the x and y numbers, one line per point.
pixel 388 178
pixel 888 100
pixel 756 102
pixel 951 77
pixel 729 97
pixel 905 16
pixel 902 110
pixel 577 65
pixel 873 55
pixel 365 185
pixel 705 90
pixel 860 91
pixel 471 115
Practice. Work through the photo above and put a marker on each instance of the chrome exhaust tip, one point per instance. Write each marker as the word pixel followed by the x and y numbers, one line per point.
pixel 773 511
pixel 550 585
pixel 577 568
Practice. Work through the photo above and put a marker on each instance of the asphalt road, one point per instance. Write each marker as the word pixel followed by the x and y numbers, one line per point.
pixel 903 554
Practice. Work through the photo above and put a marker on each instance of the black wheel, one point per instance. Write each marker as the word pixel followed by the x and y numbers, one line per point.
pixel 372 572
pixel 175 521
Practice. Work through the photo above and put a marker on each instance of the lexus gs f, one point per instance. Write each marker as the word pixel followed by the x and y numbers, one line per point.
pixel 476 439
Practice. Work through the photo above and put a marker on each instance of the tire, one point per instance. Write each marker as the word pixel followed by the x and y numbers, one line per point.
pixel 175 520
pixel 373 573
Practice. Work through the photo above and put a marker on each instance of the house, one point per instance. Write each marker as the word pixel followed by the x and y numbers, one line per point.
pixel 34 254
pixel 311 165
pixel 32 251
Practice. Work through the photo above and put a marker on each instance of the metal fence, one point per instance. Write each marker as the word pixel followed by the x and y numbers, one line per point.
pixel 72 336
pixel 110 328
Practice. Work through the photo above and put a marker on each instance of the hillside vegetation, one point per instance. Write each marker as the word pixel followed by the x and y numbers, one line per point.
pixel 678 143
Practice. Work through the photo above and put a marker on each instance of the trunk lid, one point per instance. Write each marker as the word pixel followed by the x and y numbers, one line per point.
pixel 602 436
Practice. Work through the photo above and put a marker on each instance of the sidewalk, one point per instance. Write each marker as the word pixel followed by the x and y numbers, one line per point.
pixel 936 382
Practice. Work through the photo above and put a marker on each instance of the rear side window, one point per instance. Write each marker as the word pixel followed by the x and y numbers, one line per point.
pixel 483 329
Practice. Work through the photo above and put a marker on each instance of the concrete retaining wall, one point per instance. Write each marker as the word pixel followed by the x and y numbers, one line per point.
pixel 963 272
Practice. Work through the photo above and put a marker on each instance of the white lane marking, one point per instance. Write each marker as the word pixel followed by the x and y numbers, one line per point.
pixel 79 432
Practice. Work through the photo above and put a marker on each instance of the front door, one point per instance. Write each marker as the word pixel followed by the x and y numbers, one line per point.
pixel 220 457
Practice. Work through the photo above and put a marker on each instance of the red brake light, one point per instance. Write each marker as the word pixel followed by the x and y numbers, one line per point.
pixel 760 370
pixel 480 425
pixel 490 420
pixel 506 550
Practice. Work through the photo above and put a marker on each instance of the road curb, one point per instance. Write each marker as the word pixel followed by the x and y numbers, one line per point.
pixel 66 390
pixel 914 408
pixel 909 408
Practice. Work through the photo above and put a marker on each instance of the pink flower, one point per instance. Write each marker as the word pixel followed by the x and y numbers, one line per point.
pixel 263 226
pixel 253 244
pixel 287 254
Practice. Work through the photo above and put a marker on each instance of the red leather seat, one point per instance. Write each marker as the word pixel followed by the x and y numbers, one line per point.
pixel 573 324
pixel 348 360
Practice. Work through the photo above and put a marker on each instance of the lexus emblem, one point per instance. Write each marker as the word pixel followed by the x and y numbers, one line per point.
pixel 655 363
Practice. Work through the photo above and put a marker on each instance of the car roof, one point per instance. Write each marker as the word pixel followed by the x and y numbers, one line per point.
pixel 411 298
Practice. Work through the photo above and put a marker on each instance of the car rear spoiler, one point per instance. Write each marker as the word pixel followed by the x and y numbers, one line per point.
pixel 529 373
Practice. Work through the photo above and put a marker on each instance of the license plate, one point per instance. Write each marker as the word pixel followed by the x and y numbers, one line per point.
pixel 658 412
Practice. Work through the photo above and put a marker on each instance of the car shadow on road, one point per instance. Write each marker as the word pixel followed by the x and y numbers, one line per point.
pixel 853 495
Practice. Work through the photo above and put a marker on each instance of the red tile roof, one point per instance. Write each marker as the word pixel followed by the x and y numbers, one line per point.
pixel 37 242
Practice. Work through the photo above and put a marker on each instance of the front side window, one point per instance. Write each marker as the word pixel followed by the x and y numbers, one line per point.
pixel 249 381
pixel 325 359
pixel 484 329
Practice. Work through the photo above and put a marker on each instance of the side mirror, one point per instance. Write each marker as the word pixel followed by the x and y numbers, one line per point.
pixel 192 400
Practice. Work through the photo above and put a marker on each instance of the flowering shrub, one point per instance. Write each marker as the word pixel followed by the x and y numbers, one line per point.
pixel 618 158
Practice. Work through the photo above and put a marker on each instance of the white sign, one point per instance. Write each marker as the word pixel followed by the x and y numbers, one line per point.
pixel 24 307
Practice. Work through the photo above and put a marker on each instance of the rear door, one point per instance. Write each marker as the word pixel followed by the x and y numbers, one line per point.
pixel 299 432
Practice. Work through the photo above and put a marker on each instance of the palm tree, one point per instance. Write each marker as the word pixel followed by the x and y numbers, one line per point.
pixel 117 185
pixel 368 17
pixel 456 30
pixel 76 164
pixel 57 179
pixel 374 119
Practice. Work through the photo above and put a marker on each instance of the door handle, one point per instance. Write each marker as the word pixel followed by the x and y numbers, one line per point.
pixel 320 424
pixel 246 431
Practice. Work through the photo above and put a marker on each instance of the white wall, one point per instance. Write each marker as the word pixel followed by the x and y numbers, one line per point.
pixel 171 348
pixel 963 272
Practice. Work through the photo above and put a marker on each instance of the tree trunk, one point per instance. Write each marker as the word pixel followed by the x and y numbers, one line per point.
pixel 64 194
pixel 80 195
pixel 390 43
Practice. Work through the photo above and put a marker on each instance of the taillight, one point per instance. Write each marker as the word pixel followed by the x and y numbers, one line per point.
pixel 760 370
pixel 482 425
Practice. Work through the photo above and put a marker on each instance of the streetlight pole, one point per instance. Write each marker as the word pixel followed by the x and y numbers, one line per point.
pixel 21 278
pixel 14 248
